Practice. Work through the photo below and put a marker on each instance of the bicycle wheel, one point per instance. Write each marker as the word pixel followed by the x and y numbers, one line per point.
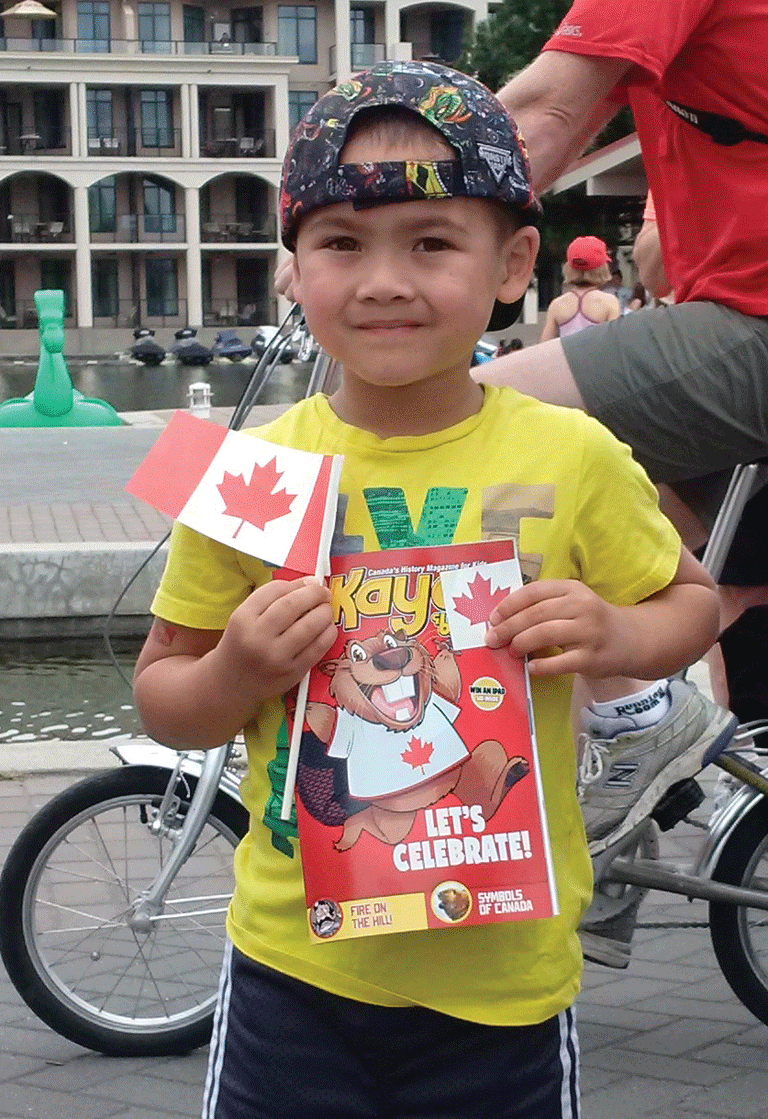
pixel 68 939
pixel 740 933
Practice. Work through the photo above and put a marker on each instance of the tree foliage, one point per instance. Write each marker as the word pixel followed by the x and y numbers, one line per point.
pixel 510 38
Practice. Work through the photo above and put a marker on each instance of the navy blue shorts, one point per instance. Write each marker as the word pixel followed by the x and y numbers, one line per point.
pixel 282 1049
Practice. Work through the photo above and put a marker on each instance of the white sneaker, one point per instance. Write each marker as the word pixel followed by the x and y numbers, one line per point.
pixel 622 779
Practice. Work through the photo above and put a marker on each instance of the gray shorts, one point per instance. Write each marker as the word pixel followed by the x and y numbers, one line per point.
pixel 685 386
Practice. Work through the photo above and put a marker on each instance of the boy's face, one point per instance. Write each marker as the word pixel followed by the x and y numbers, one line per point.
pixel 400 293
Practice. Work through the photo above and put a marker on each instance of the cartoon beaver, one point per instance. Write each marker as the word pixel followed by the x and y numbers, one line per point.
pixel 393 726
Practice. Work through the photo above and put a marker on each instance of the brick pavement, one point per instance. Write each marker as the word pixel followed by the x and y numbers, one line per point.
pixel 665 1039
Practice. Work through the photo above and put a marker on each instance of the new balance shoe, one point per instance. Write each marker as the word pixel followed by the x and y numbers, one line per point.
pixel 609 942
pixel 621 779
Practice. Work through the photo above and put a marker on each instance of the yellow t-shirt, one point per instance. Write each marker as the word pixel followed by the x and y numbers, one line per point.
pixel 584 510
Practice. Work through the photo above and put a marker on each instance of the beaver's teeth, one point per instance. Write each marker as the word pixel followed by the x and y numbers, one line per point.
pixel 401 688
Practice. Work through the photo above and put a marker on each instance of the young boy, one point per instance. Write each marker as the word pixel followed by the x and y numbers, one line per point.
pixel 406 196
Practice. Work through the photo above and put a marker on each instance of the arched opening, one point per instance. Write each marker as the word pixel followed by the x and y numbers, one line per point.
pixel 137 231
pixel 236 215
pixel 36 209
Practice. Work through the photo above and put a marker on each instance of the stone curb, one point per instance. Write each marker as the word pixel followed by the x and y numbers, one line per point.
pixel 57 756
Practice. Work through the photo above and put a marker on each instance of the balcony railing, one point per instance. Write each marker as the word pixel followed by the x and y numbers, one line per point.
pixel 22 315
pixel 234 312
pixel 143 228
pixel 130 313
pixel 133 46
pixel 31 143
pixel 228 227
pixel 251 145
pixel 361 56
pixel 29 228
pixel 147 142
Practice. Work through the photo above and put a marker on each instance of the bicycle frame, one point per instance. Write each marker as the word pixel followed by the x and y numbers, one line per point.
pixel 212 775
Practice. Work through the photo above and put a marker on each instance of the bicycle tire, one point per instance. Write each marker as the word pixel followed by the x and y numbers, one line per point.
pixel 65 894
pixel 739 933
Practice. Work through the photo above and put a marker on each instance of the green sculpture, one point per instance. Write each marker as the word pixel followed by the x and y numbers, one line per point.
pixel 53 401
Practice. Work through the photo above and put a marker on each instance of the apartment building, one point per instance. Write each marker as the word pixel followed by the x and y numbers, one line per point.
pixel 141 144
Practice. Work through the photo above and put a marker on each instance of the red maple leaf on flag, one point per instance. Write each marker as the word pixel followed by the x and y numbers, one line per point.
pixel 478 604
pixel 418 753
pixel 255 501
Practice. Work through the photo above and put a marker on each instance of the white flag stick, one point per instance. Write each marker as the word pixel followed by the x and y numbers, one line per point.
pixel 321 570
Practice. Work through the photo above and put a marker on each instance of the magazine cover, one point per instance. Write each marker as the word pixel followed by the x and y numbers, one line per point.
pixel 419 796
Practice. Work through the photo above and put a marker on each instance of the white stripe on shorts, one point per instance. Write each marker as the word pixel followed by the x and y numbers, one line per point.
pixel 569 1061
pixel 218 1036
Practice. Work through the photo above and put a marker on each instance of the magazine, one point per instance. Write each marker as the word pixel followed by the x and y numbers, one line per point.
pixel 419 799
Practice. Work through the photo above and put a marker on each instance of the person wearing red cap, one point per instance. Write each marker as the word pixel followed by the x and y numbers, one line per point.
pixel 583 303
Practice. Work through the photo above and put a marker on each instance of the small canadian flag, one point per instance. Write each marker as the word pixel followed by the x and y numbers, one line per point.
pixel 272 502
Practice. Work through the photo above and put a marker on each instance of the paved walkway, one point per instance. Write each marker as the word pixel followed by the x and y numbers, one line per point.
pixel 79 497
pixel 666 1039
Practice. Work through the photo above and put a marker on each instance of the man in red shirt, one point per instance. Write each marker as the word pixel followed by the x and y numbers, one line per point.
pixel 687 385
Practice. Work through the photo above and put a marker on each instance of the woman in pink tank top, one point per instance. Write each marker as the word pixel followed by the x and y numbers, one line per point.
pixel 582 303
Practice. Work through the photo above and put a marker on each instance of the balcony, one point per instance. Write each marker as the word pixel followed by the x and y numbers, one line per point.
pixel 234 312
pixel 143 229
pixel 134 46
pixel 130 313
pixel 29 229
pixel 361 56
pixel 259 145
pixel 228 227
pixel 147 142
pixel 33 144
pixel 22 315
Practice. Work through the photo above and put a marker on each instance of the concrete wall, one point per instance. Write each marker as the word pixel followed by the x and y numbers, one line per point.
pixel 56 589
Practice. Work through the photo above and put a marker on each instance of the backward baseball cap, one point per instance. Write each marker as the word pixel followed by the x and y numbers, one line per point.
pixel 490 156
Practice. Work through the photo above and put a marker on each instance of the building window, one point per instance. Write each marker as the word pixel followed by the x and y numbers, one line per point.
pixel 159 207
pixel 297 31
pixel 299 101
pixel 194 24
pixel 155 27
pixel 162 287
pixel 447 34
pixel 49 118
pixel 102 208
pixel 56 275
pixel 362 34
pixel 361 25
pixel 156 107
pixel 247 25
pixel 98 108
pixel 44 32
pixel 104 287
pixel 93 26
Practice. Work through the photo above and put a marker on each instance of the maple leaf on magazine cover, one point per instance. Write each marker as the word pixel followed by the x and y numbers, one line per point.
pixel 256 502
pixel 480 602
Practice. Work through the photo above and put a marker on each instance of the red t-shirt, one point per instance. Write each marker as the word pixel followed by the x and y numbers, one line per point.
pixel 711 201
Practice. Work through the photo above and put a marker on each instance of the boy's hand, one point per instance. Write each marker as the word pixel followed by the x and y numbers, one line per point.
pixel 564 613
pixel 275 636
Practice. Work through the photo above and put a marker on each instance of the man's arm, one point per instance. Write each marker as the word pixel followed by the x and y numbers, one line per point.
pixel 647 256
pixel 560 102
